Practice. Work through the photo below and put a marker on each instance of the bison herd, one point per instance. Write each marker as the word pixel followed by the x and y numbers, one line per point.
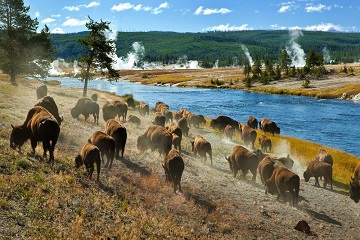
pixel 42 124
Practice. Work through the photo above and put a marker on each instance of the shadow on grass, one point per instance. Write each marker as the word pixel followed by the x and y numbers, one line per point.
pixel 199 200
pixel 322 217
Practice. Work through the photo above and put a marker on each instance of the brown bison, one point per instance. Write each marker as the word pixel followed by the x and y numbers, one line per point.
pixel 94 97
pixel 252 122
pixel 89 155
pixel 144 109
pixel 118 132
pixel 159 119
pixel 177 135
pixel 160 107
pixel 266 168
pixel 195 120
pixel 283 180
pixel 265 143
pixel 244 160
pixel 174 167
pixel 106 145
pixel 229 131
pixel 355 184
pixel 323 156
pixel 121 109
pixel 50 105
pixel 202 147
pixel 41 91
pixel 85 106
pixel 221 121
pixel 318 169
pixel 177 116
pixel 248 135
pixel 134 119
pixel 183 125
pixel 39 126
pixel 269 126
pixel 109 111
pixel 168 116
pixel 130 102
pixel 155 138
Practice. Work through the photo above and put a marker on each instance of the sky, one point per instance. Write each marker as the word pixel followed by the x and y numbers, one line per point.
pixel 65 16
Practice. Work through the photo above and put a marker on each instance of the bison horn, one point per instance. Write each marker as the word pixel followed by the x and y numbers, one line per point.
pixel 12 126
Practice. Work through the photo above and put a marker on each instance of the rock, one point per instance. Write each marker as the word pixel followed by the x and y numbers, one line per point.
pixel 303 226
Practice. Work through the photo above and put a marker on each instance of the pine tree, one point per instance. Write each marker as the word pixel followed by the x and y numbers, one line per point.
pixel 22 49
pixel 98 52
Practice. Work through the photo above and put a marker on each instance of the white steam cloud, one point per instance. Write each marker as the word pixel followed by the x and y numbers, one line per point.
pixel 246 51
pixel 326 55
pixel 294 49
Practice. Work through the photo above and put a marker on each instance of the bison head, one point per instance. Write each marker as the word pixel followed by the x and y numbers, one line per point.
pixel 75 113
pixel 354 190
pixel 19 134
pixel 306 176
pixel 78 161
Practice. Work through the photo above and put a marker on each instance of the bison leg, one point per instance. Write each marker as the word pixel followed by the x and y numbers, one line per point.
pixel 33 145
pixel 317 182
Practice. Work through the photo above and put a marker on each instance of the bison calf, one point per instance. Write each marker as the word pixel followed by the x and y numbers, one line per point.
pixel 174 167
pixel 265 143
pixel 106 145
pixel 89 155
pixel 318 169
pixel 283 180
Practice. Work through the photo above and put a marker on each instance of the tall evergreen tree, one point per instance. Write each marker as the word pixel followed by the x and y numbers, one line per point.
pixel 285 62
pixel 22 49
pixel 98 52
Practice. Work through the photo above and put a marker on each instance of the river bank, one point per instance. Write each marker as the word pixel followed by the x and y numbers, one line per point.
pixel 335 85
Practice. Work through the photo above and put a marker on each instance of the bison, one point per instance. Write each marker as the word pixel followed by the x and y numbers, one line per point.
pixel 121 109
pixel 118 132
pixel 269 126
pixel 109 111
pixel 130 102
pixel 174 167
pixel 41 91
pixel 50 105
pixel 221 121
pixel 134 119
pixel 183 125
pixel 265 143
pixel 252 122
pixel 355 184
pixel 195 120
pixel 229 131
pixel 244 160
pixel 144 109
pixel 318 169
pixel 248 135
pixel 39 126
pixel 106 145
pixel 177 135
pixel 266 168
pixel 160 107
pixel 202 147
pixel 89 155
pixel 283 180
pixel 155 138
pixel 159 119
pixel 85 106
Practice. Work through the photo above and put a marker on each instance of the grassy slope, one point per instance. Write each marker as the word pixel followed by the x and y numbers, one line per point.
pixel 38 202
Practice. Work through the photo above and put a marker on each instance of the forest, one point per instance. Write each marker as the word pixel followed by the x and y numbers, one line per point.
pixel 226 48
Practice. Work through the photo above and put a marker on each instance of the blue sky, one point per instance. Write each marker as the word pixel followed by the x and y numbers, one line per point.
pixel 65 16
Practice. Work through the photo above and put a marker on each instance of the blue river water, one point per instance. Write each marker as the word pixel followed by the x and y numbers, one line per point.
pixel 332 123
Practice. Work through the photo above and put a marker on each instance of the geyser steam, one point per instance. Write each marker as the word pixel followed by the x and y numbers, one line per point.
pixel 246 51
pixel 294 49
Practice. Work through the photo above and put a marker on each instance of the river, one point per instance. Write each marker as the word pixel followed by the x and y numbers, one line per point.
pixel 330 122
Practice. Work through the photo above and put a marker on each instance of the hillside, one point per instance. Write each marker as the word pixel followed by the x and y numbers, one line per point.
pixel 133 201
pixel 224 47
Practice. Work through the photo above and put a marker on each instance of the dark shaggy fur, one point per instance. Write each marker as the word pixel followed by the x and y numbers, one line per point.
pixel 248 135
pixel 202 147
pixel 85 106
pixel 50 105
pixel 118 132
pixel 106 145
pixel 155 138
pixel 265 143
pixel 252 122
pixel 174 167
pixel 89 156
pixel 318 169
pixel 269 126
pixel 144 109
pixel 221 121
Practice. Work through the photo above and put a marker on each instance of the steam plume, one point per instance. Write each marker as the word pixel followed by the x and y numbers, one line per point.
pixel 294 49
pixel 326 55
pixel 246 51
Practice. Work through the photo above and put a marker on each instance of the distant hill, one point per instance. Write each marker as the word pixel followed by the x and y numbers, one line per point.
pixel 224 47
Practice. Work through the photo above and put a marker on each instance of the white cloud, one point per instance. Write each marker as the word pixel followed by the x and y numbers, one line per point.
pixel 48 20
pixel 72 8
pixel 138 7
pixel 92 4
pixel 325 27
pixel 207 11
pixel 56 15
pixel 318 8
pixel 72 22
pixel 122 7
pixel 286 7
pixel 37 14
pixel 227 27
pixel 57 30
pixel 160 8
